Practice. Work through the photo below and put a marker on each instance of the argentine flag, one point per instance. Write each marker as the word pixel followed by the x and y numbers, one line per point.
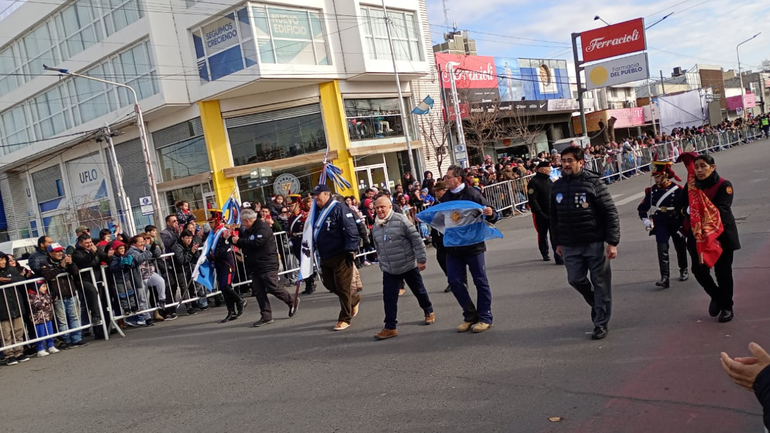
pixel 462 223
pixel 424 106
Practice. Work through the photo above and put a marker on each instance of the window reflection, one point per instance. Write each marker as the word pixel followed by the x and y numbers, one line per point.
pixel 373 118
pixel 271 140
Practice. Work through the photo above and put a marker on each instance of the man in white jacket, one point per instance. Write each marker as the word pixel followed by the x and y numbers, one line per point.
pixel 402 256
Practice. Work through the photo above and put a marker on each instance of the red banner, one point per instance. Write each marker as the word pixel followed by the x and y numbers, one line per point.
pixel 705 220
pixel 615 40
pixel 472 72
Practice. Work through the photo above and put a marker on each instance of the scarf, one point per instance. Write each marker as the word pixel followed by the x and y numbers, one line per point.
pixel 382 222
pixel 459 188
pixel 705 221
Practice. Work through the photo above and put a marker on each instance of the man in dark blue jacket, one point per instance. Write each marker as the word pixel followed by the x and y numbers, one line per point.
pixel 471 257
pixel 336 238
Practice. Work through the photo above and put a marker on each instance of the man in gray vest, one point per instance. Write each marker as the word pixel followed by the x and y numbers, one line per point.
pixel 402 256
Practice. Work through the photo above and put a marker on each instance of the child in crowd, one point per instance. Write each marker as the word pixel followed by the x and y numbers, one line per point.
pixel 183 213
pixel 121 266
pixel 10 313
pixel 42 316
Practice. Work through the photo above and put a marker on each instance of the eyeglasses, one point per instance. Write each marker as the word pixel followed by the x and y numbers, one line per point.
pixel 568 160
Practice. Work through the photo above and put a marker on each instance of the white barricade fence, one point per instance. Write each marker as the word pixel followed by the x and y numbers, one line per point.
pixel 518 188
pixel 499 196
pixel 35 311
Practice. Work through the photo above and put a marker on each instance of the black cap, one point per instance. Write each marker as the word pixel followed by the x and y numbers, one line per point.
pixel 543 164
pixel 321 188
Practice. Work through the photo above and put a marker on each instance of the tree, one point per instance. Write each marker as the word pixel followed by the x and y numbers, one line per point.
pixel 520 128
pixel 482 125
pixel 766 65
pixel 435 133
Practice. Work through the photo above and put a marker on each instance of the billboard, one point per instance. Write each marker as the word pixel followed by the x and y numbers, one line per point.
pixel 684 109
pixel 544 79
pixel 625 118
pixel 614 40
pixel 475 77
pixel 617 71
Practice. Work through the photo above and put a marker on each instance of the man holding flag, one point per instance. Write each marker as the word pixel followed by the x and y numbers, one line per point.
pixel 255 239
pixel 712 235
pixel 220 253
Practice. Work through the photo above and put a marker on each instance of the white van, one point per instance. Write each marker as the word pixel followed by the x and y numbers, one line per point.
pixel 19 248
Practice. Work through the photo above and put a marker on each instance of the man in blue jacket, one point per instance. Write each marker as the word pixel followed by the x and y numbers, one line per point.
pixel 470 257
pixel 336 238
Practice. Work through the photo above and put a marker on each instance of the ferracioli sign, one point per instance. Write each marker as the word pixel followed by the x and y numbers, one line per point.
pixel 615 40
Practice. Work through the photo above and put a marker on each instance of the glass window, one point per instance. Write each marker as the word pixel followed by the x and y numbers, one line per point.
pixel 182 159
pixel 256 191
pixel 404 30
pixel 373 118
pixel 8 65
pixel 276 139
pixel 297 36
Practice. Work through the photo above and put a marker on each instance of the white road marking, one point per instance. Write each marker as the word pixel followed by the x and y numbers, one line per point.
pixel 630 199
pixel 617 196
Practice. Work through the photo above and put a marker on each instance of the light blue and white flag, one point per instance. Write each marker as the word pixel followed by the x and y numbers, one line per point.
pixel 203 273
pixel 462 223
pixel 424 106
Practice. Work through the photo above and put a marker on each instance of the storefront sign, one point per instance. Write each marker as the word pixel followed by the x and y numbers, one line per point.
pixel 734 102
pixel 617 71
pixel 220 35
pixel 286 184
pixel 87 180
pixel 563 105
pixel 471 72
pixel 615 40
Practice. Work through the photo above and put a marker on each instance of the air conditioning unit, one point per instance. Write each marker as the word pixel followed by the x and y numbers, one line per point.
pixel 677 72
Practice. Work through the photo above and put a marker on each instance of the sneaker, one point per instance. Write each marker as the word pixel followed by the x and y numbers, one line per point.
pixel 481 327
pixel 367 263
pixel 42 354
pixel 53 350
pixel 240 307
pixel 293 307
pixel 192 312
pixel 448 289
pixel 465 326
pixel 131 322
pixel 11 361
pixel 96 321
pixel 80 343
pixel 149 322
pixel 64 346
pixel 204 308
pixel 262 323
pixel 22 358
pixel 600 332
pixel 171 317
pixel 341 326
pixel 230 316
pixel 141 322
pixel 385 334
pixel 430 319
pixel 354 312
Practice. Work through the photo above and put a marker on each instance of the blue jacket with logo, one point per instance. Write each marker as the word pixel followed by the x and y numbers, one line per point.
pixel 338 232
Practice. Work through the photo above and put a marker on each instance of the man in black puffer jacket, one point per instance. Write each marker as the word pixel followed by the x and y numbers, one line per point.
pixel 583 219
pixel 470 257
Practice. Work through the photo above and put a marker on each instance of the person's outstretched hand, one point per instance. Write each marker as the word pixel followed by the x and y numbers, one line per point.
pixel 744 371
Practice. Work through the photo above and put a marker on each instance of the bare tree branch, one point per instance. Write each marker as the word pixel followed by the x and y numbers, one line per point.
pixel 435 133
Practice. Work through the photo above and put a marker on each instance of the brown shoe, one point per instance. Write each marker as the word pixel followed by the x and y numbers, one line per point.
pixel 465 326
pixel 385 334
pixel 122 324
pixel 430 319
pixel 401 291
pixel 481 327
pixel 341 326
pixel 157 317
pixel 354 313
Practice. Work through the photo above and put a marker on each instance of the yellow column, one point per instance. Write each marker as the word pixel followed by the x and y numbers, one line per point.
pixel 215 134
pixel 337 133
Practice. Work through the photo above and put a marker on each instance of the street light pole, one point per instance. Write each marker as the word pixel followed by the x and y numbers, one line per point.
pixel 123 198
pixel 412 167
pixel 740 76
pixel 464 162
pixel 142 137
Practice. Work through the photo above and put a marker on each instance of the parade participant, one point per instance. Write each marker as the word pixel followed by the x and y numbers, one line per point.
pixel 583 220
pixel 664 222
pixel 719 191
pixel 471 257
pixel 539 193
pixel 223 258
pixel 402 258
pixel 255 239
pixel 296 227
pixel 336 238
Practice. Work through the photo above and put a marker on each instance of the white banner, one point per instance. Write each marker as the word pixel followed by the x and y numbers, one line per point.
pixel 88 180
pixel 617 71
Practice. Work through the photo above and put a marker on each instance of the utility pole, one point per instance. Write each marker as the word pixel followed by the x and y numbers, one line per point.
pixel 463 153
pixel 662 84
pixel 122 197
pixel 580 89
pixel 412 167
pixel 652 109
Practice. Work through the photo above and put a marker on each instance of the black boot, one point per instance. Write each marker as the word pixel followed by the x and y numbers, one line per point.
pixel 684 275
pixel 309 287
pixel 239 307
pixel 230 316
pixel 663 264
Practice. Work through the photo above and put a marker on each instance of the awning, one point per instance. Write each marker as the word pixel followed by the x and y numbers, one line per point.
pixel 382 148
pixel 279 164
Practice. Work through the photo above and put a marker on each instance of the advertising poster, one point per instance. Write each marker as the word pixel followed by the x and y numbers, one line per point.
pixel 544 79
pixel 614 40
pixel 617 71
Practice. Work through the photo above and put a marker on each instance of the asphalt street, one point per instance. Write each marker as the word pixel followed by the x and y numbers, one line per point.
pixel 658 370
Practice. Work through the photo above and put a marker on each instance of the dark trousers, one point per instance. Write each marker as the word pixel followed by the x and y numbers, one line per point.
pixel 232 298
pixel 720 291
pixel 337 277
pixel 261 285
pixel 441 258
pixel 579 260
pixel 456 268
pixel 91 301
pixel 390 287
pixel 542 226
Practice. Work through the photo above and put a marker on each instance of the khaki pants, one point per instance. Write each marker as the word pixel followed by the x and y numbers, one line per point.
pixel 355 282
pixel 337 277
pixel 13 332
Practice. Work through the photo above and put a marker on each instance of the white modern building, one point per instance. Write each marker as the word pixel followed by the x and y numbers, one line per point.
pixel 227 88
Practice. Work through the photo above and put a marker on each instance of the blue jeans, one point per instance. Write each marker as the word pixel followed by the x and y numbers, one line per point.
pixel 390 286
pixel 67 313
pixel 42 330
pixel 456 275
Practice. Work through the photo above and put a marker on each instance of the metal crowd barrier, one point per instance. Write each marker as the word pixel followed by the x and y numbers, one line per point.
pixel 42 313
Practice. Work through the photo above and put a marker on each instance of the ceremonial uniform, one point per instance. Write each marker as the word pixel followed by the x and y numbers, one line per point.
pixel 658 213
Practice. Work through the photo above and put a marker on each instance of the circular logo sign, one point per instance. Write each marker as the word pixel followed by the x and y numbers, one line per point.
pixel 598 76
pixel 286 184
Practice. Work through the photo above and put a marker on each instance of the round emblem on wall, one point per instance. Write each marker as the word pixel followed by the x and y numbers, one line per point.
pixel 286 184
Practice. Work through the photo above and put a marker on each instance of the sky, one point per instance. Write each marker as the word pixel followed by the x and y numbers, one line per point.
pixel 703 32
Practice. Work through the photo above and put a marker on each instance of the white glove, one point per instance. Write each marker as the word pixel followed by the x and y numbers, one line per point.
pixel 647 224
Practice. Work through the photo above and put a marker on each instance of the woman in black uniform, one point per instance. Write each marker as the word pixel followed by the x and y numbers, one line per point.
pixel 720 192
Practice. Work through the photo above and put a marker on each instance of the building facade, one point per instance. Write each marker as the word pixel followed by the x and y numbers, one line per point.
pixel 238 97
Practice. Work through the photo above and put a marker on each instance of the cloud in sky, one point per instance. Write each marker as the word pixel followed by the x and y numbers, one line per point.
pixel 699 31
